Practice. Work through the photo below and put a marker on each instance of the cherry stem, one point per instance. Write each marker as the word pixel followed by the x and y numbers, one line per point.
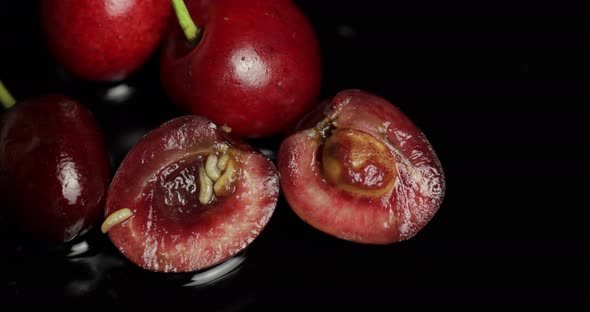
pixel 191 31
pixel 5 97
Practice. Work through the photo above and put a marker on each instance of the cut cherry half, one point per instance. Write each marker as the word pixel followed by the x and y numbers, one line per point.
pixel 359 169
pixel 189 196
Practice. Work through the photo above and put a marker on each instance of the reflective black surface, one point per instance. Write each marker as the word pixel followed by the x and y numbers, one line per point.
pixel 501 92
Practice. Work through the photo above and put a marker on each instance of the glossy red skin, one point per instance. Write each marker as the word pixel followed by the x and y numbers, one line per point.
pixel 54 168
pixel 187 236
pixel 398 215
pixel 257 67
pixel 104 40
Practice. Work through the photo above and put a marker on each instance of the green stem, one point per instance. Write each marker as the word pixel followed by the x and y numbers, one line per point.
pixel 6 98
pixel 191 31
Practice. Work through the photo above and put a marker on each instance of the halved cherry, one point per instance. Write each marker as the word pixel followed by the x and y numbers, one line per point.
pixel 189 196
pixel 359 169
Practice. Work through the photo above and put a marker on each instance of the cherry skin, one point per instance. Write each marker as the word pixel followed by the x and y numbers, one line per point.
pixel 103 40
pixel 359 169
pixel 54 168
pixel 255 66
pixel 189 196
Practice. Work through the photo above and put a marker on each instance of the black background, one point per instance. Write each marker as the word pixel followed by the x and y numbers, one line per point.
pixel 501 91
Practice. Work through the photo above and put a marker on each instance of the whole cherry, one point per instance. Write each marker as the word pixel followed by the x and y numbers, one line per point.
pixel 103 40
pixel 252 65
pixel 54 168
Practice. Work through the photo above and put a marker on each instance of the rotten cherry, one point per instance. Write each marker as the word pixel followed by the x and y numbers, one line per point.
pixel 188 196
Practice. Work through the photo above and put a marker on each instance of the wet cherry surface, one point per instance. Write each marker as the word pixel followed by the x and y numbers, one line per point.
pixel 335 174
pixel 176 226
pixel 53 186
pixel 501 100
pixel 256 68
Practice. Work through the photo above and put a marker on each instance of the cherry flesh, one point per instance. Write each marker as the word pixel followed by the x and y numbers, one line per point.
pixel 189 196
pixel 359 169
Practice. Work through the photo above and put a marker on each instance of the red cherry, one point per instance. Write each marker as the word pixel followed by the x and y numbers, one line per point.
pixel 189 196
pixel 359 169
pixel 54 168
pixel 103 40
pixel 254 65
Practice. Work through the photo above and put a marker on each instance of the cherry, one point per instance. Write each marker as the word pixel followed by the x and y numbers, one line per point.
pixel 359 169
pixel 188 196
pixel 54 168
pixel 103 40
pixel 252 65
